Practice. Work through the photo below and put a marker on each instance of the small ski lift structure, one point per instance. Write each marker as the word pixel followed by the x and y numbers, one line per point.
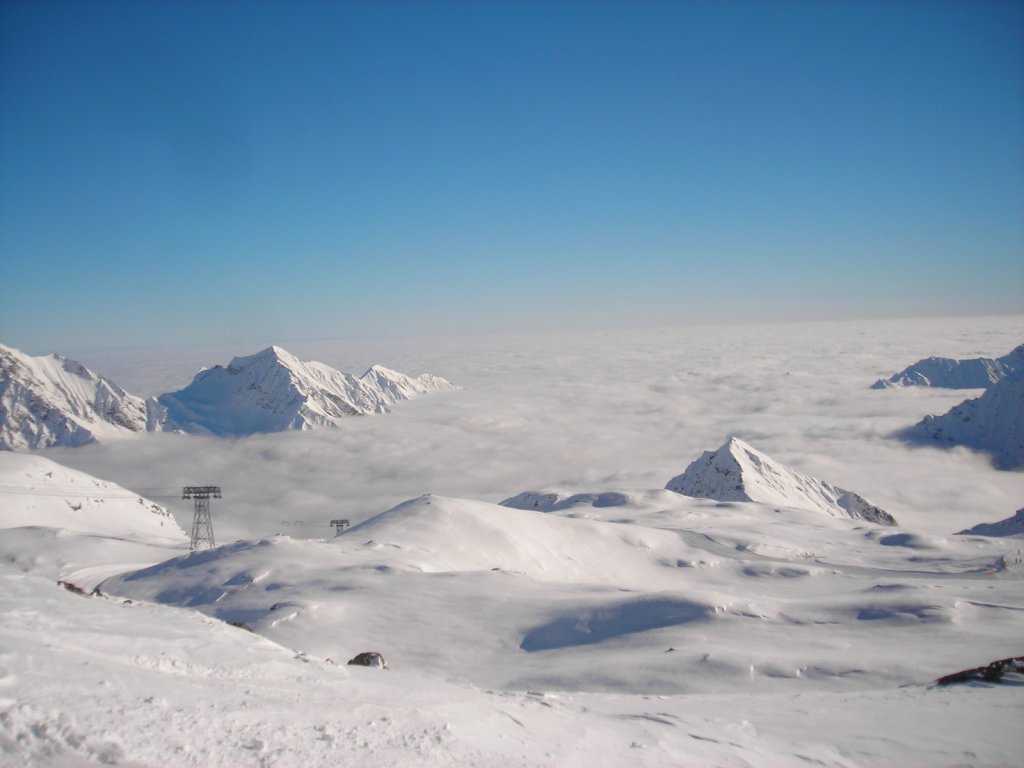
pixel 202 525
pixel 339 526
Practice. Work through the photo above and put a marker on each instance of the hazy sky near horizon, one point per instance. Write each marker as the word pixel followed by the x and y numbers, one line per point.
pixel 182 173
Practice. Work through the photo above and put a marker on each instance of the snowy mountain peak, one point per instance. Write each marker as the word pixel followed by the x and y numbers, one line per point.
pixel 739 472
pixel 272 391
pixel 993 422
pixel 948 372
pixel 270 355
pixel 51 400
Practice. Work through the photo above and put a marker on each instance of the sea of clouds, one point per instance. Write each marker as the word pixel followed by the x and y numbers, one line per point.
pixel 579 411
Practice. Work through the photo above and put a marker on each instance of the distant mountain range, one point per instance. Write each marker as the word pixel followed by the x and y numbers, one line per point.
pixel 53 401
pixel 273 391
pixel 947 372
pixel 992 423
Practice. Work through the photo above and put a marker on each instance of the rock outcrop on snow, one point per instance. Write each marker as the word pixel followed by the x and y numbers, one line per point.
pixel 993 672
pixel 53 401
pixel 1011 526
pixel 993 423
pixel 739 472
pixel 973 373
pixel 273 391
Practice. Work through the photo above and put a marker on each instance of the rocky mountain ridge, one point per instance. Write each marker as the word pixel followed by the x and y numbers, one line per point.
pixel 950 373
pixel 52 401
pixel 992 423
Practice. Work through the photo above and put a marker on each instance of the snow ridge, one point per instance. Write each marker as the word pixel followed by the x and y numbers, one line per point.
pixel 739 472
pixel 40 492
pixel 993 422
pixel 1011 526
pixel 49 401
pixel 950 373
pixel 274 391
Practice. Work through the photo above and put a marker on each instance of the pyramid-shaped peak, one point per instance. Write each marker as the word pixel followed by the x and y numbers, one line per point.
pixel 272 355
pixel 272 390
pixel 739 472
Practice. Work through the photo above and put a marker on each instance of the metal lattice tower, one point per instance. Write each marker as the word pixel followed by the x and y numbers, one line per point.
pixel 202 525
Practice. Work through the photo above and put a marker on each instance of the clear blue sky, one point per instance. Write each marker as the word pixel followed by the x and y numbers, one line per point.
pixel 186 172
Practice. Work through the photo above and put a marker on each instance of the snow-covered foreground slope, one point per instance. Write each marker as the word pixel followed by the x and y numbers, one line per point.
pixel 739 472
pixel 748 598
pixel 993 423
pixel 644 627
pixel 973 373
pixel 68 525
pixel 47 401
pixel 273 391
pixel 147 685
pixel 40 492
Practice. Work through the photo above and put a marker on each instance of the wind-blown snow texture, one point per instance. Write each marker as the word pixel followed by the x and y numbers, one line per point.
pixel 48 401
pixel 993 423
pixel 273 391
pixel 973 373
pixel 738 472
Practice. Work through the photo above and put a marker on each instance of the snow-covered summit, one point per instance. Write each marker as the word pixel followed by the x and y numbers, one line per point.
pixel 50 401
pixel 273 391
pixel 993 422
pixel 739 472
pixel 973 373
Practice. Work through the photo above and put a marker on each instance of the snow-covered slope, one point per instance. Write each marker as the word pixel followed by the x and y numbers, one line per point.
pixel 273 391
pixel 973 373
pixel 64 524
pixel 39 492
pixel 50 401
pixel 91 681
pixel 746 598
pixel 993 423
pixel 1011 526
pixel 738 472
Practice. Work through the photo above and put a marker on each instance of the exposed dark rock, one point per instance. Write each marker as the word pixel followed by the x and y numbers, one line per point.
pixel 990 673
pixel 72 588
pixel 369 659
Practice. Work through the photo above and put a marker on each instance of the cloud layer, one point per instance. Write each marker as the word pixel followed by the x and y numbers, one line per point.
pixel 587 411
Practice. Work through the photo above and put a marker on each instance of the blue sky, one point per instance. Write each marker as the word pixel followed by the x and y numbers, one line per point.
pixel 250 172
